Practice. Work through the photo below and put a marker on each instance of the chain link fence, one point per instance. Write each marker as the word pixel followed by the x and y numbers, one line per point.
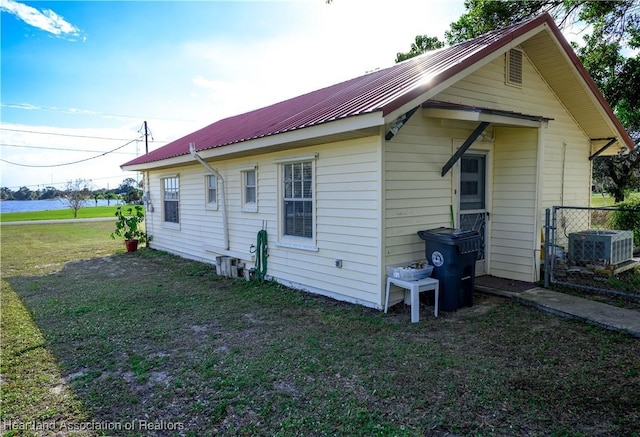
pixel 596 249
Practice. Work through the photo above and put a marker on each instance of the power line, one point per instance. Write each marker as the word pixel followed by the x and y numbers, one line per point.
pixel 62 135
pixel 70 163
pixel 81 112
pixel 77 136
pixel 59 148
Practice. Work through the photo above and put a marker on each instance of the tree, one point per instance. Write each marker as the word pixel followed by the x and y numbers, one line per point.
pixel 483 16
pixel 76 194
pixel 110 195
pixel 613 27
pixel 23 193
pixel 618 174
pixel 422 43
pixel 6 193
pixel 127 185
pixel 49 193
pixel 133 196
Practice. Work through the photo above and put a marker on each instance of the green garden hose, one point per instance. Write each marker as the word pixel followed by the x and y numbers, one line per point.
pixel 261 255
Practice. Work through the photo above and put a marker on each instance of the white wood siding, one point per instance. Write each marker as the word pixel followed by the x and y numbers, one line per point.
pixel 513 227
pixel 372 196
pixel 486 88
pixel 416 197
pixel 347 204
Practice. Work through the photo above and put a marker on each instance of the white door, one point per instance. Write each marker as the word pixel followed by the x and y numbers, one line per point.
pixel 473 212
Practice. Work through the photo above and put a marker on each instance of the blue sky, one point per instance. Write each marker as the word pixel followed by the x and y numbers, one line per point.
pixel 78 78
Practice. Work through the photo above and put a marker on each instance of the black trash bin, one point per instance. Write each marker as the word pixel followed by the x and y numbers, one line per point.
pixel 453 253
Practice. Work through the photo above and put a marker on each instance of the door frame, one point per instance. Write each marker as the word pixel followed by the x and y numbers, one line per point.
pixel 483 148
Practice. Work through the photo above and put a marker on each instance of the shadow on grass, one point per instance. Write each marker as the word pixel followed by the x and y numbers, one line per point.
pixel 164 346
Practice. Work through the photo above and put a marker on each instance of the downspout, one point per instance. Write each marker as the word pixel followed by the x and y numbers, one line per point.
pixel 148 218
pixel 223 207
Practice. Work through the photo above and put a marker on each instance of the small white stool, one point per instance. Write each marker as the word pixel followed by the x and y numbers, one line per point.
pixel 415 287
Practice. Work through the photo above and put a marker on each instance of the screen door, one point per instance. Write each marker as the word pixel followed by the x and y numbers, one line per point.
pixel 473 201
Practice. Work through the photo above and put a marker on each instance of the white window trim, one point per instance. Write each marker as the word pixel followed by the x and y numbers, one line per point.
pixel 299 246
pixel 248 206
pixel 290 159
pixel 290 241
pixel 210 206
pixel 164 223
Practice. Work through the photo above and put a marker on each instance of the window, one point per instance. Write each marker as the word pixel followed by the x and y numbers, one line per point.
pixel 514 67
pixel 472 182
pixel 249 190
pixel 170 195
pixel 212 191
pixel 298 214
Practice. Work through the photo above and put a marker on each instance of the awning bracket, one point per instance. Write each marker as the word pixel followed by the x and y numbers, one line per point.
pixel 603 148
pixel 465 146
pixel 399 122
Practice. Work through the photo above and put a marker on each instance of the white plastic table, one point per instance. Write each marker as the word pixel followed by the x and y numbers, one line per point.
pixel 415 287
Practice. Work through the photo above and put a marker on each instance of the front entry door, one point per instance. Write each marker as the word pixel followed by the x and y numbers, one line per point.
pixel 473 201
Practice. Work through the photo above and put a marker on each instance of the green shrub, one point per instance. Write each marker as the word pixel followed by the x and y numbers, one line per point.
pixel 628 217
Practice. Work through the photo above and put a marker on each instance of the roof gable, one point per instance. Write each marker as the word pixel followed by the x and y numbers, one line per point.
pixel 388 92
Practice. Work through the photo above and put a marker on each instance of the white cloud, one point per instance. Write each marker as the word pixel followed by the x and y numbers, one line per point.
pixel 214 76
pixel 44 19
pixel 341 41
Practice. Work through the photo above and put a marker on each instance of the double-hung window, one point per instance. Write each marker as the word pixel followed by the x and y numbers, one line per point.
pixel 250 190
pixel 212 191
pixel 297 178
pixel 170 199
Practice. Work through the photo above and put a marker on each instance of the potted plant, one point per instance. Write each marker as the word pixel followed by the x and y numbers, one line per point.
pixel 128 221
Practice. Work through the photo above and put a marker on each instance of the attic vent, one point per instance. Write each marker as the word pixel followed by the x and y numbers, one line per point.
pixel 514 67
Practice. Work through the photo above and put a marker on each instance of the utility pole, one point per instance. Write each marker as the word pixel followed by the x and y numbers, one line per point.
pixel 146 138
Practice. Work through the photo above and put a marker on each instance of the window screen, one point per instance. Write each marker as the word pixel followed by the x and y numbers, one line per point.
pixel 298 199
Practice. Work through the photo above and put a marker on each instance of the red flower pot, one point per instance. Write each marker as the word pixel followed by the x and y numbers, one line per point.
pixel 131 245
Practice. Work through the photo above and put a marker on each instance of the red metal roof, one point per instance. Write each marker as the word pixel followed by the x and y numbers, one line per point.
pixel 384 90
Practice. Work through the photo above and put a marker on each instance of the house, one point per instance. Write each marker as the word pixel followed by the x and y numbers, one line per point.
pixel 485 134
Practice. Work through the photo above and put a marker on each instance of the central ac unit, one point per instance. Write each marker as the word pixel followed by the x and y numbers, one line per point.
pixel 610 246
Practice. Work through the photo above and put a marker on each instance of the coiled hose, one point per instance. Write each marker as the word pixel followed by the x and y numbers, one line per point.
pixel 261 255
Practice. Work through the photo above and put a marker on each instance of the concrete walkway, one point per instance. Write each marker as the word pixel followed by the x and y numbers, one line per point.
pixel 565 305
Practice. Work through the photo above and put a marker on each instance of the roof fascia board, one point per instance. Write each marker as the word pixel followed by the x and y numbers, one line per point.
pixel 336 127
pixel 478 60
pixel 591 88
pixel 165 163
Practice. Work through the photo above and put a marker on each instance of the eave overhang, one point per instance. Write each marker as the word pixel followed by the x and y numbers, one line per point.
pixel 437 109
pixel 358 126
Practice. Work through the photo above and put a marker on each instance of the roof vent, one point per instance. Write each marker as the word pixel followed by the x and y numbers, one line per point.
pixel 514 67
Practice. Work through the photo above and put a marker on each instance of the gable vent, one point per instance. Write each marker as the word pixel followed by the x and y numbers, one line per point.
pixel 514 67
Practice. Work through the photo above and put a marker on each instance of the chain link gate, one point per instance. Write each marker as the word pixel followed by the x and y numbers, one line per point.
pixel 584 248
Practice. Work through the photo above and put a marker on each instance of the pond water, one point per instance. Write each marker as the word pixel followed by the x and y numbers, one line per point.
pixel 46 205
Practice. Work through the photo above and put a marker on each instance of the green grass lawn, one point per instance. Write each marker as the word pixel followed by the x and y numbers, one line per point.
pixel 91 334
pixel 600 200
pixel 57 214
